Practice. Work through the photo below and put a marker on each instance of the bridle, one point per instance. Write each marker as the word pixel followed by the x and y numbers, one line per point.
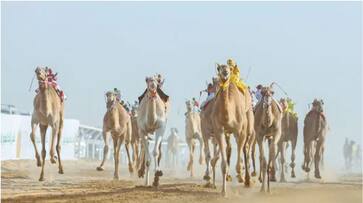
pixel 152 94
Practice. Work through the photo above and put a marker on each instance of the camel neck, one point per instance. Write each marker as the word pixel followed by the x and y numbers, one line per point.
pixel 45 104
pixel 267 113
pixel 151 110
pixel 224 94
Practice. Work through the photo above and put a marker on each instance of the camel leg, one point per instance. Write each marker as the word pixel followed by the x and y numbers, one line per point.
pixel 239 160
pixel 282 146
pixel 201 149
pixel 293 156
pixel 224 165
pixel 246 152
pixel 105 150
pixel 191 152
pixel 55 130
pixel 272 158
pixel 214 162
pixel 58 147
pixel 136 155
pixel 207 160
pixel 229 153
pixel 157 154
pixel 263 167
pixel 254 158
pixel 191 159
pixel 127 146
pixel 32 138
pixel 116 153
pixel 43 131
pixel 317 157
pixel 147 158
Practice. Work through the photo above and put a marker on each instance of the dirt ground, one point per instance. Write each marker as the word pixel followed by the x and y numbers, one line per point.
pixel 82 183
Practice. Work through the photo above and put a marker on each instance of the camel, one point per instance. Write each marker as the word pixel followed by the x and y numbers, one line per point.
pixel 152 118
pixel 268 116
pixel 48 111
pixel 135 139
pixel 208 135
pixel 232 114
pixel 289 132
pixel 172 146
pixel 116 122
pixel 193 133
pixel 315 128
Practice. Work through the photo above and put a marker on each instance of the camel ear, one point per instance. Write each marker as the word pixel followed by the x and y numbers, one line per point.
pixel 146 79
pixel 322 102
pixel 218 66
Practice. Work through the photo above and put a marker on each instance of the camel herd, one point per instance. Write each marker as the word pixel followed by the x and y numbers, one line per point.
pixel 230 113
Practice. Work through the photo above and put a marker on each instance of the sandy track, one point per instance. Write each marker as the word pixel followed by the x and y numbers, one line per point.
pixel 82 183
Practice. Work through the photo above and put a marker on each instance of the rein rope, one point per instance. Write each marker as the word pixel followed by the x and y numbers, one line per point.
pixel 31 83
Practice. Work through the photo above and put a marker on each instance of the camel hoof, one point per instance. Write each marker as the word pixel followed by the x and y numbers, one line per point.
pixel 140 173
pixel 156 178
pixel 206 178
pixel 61 171
pixel 39 163
pixel 228 178
pixel 99 168
pixel 317 175
pixel 209 185
pixel 53 161
pixel 248 183
pixel 253 174
pixel 159 173
pixel 224 193
pixel 115 177
pixel 41 179
pixel 260 179
pixel 293 175
pixel 131 168
pixel 240 179
pixel 307 170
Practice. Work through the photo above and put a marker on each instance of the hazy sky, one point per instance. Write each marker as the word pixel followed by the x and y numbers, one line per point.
pixel 311 49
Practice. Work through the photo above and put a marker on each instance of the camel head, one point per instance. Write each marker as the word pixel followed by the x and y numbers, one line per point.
pixel 152 85
pixel 283 103
pixel 266 105
pixel 41 74
pixel 267 93
pixel 110 98
pixel 224 72
pixel 134 111
pixel 189 106
pixel 318 105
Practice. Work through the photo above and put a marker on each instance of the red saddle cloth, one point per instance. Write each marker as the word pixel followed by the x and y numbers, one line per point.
pixel 205 105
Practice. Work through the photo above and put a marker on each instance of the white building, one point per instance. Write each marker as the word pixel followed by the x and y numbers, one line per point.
pixel 16 143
